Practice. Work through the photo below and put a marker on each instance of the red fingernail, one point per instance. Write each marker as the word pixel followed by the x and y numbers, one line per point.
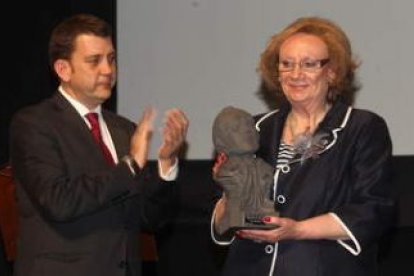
pixel 266 219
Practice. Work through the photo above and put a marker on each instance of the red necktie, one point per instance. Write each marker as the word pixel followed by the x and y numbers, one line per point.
pixel 96 133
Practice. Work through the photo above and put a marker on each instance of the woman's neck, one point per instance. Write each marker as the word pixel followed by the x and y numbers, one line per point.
pixel 303 122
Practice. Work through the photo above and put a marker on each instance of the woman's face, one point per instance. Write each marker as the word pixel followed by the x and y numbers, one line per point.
pixel 304 69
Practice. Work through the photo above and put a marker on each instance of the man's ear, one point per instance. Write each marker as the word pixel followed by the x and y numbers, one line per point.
pixel 63 69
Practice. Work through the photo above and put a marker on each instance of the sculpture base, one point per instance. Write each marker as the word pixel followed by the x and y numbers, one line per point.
pixel 257 223
pixel 253 224
pixel 254 227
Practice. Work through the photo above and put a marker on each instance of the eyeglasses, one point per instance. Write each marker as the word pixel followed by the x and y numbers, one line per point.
pixel 307 65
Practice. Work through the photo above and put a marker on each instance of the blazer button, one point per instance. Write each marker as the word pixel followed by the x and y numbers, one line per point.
pixel 285 168
pixel 281 199
pixel 269 249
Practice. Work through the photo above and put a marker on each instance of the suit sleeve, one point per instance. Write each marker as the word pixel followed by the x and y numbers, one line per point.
pixel 156 202
pixel 54 183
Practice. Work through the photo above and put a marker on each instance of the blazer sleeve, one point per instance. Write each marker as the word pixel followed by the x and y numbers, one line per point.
pixel 371 209
pixel 156 202
pixel 58 185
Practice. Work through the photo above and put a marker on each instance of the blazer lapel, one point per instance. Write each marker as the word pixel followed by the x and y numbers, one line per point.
pixel 75 125
pixel 71 118
pixel 119 136
pixel 270 133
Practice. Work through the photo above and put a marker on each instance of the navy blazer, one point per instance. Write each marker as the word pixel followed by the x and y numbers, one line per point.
pixel 349 178
pixel 77 215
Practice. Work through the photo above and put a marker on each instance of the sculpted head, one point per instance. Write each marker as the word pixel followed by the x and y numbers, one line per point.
pixel 234 132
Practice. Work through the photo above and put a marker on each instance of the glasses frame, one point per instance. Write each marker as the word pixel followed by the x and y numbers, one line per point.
pixel 320 64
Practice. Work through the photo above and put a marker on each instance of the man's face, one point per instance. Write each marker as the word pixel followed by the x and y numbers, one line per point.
pixel 90 73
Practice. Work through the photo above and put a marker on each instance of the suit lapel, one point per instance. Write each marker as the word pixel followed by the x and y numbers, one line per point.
pixel 74 124
pixel 120 137
pixel 70 117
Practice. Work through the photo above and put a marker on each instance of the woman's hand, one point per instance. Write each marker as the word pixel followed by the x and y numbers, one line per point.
pixel 221 158
pixel 286 229
pixel 220 209
pixel 324 226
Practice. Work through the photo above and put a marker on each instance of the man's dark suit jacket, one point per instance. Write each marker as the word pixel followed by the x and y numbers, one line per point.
pixel 78 216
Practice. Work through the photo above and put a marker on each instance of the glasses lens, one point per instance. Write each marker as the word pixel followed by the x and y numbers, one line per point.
pixel 305 65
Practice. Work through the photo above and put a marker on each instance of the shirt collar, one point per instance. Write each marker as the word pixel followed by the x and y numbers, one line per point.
pixel 80 108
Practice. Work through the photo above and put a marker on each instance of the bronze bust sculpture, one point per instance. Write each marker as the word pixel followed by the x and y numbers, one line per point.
pixel 246 180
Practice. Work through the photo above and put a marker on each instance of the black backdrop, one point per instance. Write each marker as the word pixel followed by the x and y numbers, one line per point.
pixel 26 78
pixel 184 247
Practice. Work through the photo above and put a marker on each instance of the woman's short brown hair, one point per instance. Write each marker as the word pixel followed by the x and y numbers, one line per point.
pixel 340 56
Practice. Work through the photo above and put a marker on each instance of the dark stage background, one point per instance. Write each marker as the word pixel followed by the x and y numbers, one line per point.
pixel 26 78
pixel 184 247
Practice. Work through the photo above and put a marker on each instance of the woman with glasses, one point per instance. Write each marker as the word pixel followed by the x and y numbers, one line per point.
pixel 332 179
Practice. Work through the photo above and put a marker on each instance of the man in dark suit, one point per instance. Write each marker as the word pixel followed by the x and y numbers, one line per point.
pixel 82 183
